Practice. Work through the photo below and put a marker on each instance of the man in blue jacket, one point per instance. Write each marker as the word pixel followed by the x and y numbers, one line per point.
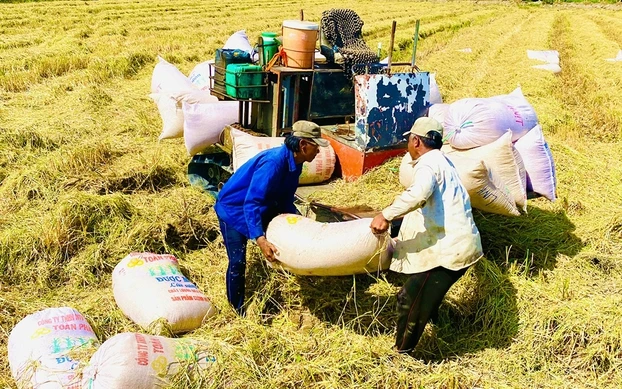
pixel 259 190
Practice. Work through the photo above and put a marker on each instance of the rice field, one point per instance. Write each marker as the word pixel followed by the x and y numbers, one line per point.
pixel 84 182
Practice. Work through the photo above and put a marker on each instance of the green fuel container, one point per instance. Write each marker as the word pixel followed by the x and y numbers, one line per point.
pixel 245 81
pixel 270 46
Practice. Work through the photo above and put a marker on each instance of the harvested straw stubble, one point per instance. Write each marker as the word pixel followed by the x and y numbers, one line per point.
pixel 572 345
pixel 376 188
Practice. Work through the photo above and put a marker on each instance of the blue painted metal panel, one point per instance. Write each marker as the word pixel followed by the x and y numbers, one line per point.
pixel 387 106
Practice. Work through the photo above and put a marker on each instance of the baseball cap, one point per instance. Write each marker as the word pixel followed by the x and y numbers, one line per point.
pixel 309 131
pixel 423 125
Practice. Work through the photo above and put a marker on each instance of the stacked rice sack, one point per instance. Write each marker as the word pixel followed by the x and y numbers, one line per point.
pixel 186 105
pixel 505 150
pixel 188 109
pixel 45 349
pixel 150 287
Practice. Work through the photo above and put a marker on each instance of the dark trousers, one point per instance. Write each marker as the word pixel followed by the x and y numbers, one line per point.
pixel 418 301
pixel 235 243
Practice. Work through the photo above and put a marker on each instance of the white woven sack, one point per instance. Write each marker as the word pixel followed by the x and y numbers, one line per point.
pixel 148 287
pixel 525 117
pixel 195 96
pixel 435 93
pixel 200 75
pixel 203 123
pixel 551 67
pixel 473 122
pixel 171 114
pixel 548 56
pixel 308 247
pixel 39 348
pixel 539 165
pixel 239 40
pixel 246 146
pixel 502 160
pixel 479 182
pixel 138 361
pixel 166 77
pixel 167 85
pixel 438 112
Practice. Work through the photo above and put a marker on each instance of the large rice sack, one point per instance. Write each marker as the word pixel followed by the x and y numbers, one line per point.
pixel 138 361
pixel 438 112
pixel 200 75
pixel 169 87
pixel 171 112
pixel 539 164
pixel 203 122
pixel 42 347
pixel 308 247
pixel 246 146
pixel 502 159
pixel 148 287
pixel 167 78
pixel 483 186
pixel 524 113
pixel 477 122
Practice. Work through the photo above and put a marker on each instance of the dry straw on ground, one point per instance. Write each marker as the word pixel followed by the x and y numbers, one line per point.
pixel 83 182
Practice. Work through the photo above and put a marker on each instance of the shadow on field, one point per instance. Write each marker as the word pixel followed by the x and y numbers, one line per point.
pixel 478 312
pixel 534 240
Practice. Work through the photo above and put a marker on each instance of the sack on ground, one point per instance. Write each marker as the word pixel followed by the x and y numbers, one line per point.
pixel 502 160
pixel 138 361
pixel 539 164
pixel 171 114
pixel 481 184
pixel 44 348
pixel 148 287
pixel 308 247
pixel 203 122
pixel 246 146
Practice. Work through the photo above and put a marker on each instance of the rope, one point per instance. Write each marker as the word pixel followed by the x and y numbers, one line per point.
pixel 280 55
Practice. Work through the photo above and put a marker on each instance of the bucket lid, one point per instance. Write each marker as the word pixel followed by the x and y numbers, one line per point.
pixel 269 34
pixel 301 25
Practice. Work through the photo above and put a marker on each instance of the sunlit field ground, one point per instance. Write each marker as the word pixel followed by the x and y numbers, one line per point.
pixel 84 182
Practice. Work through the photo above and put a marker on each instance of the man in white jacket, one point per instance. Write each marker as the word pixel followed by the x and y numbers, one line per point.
pixel 438 239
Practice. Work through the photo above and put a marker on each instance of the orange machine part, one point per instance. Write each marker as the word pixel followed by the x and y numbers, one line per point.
pixel 354 163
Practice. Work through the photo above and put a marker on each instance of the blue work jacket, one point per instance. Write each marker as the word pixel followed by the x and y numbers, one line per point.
pixel 260 189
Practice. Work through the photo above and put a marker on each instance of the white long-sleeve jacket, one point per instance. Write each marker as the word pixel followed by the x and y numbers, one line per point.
pixel 438 227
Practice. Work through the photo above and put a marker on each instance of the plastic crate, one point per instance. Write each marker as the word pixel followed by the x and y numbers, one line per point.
pixel 225 57
pixel 245 81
